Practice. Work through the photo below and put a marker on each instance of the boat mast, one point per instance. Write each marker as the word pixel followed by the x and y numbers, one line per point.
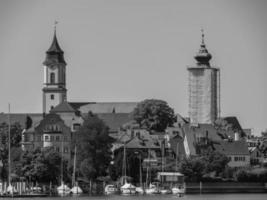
pixel 177 155
pixel 124 163
pixel 9 147
pixel 74 166
pixel 61 167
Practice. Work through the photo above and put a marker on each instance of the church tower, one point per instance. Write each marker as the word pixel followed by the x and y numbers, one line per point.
pixel 204 88
pixel 54 90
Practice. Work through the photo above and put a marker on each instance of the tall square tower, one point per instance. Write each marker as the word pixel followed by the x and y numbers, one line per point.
pixel 203 89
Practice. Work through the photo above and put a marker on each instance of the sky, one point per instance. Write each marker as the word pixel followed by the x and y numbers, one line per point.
pixel 131 50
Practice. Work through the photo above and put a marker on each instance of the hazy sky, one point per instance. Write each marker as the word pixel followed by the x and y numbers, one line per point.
pixel 130 50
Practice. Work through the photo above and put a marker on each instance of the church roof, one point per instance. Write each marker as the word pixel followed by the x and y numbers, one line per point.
pixel 63 107
pixel 113 120
pixel 105 107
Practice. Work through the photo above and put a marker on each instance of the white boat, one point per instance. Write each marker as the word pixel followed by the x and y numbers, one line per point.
pixel 179 190
pixel 110 189
pixel 165 191
pixel 140 190
pixel 11 190
pixel 63 189
pixel 128 189
pixel 75 189
pixel 153 189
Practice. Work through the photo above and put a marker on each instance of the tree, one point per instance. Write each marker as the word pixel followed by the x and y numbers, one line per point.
pixel 216 162
pixel 154 115
pixel 193 168
pixel 15 139
pixel 93 148
pixel 41 165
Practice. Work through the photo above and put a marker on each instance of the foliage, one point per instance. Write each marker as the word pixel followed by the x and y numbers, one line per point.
pixel 93 148
pixel 15 138
pixel 216 162
pixel 154 114
pixel 41 165
pixel 246 175
pixel 195 168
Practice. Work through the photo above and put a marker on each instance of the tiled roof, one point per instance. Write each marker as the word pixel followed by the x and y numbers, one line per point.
pixel 113 120
pixel 21 118
pixel 63 107
pixel 106 107
pixel 146 143
pixel 235 123
pixel 231 147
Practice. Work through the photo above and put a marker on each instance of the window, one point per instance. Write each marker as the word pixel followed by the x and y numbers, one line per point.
pixel 52 77
pixel 52 138
pixel 57 149
pixel 57 138
pixel 51 107
pixel 46 138
pixel 66 149
pixel 52 96
pixel 76 127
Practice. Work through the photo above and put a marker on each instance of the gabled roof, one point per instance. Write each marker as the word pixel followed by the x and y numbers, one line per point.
pixel 105 107
pixel 234 122
pixel 113 120
pixel 232 147
pixel 138 143
pixel 21 118
pixel 63 107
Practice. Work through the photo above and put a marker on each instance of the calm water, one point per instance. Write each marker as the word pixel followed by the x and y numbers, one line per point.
pixel 160 197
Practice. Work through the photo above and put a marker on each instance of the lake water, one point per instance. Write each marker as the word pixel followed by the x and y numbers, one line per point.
pixel 160 197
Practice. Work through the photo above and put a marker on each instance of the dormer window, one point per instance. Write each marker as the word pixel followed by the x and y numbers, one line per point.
pixel 76 126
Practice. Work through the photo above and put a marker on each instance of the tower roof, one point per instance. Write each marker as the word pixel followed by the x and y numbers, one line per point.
pixel 203 56
pixel 54 48
pixel 54 55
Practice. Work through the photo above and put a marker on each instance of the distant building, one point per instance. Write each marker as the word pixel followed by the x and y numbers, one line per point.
pixel 236 151
pixel 204 89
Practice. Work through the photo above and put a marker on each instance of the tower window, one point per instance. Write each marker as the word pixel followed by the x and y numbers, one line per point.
pixel 51 108
pixel 52 96
pixel 52 78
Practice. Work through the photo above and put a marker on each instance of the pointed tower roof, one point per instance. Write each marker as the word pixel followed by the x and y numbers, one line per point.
pixel 203 56
pixel 54 55
pixel 54 48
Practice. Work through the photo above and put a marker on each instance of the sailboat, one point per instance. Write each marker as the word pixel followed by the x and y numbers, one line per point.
pixel 178 188
pixel 127 188
pixel 151 189
pixel 62 189
pixel 75 188
pixel 10 188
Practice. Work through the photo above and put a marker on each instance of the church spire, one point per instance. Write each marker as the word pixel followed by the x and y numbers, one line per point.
pixel 54 54
pixel 203 56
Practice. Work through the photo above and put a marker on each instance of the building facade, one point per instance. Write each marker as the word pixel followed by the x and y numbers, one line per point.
pixel 204 89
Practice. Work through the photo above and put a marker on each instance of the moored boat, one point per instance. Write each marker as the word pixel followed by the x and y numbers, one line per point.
pixel 128 189
pixel 63 189
pixel 110 189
